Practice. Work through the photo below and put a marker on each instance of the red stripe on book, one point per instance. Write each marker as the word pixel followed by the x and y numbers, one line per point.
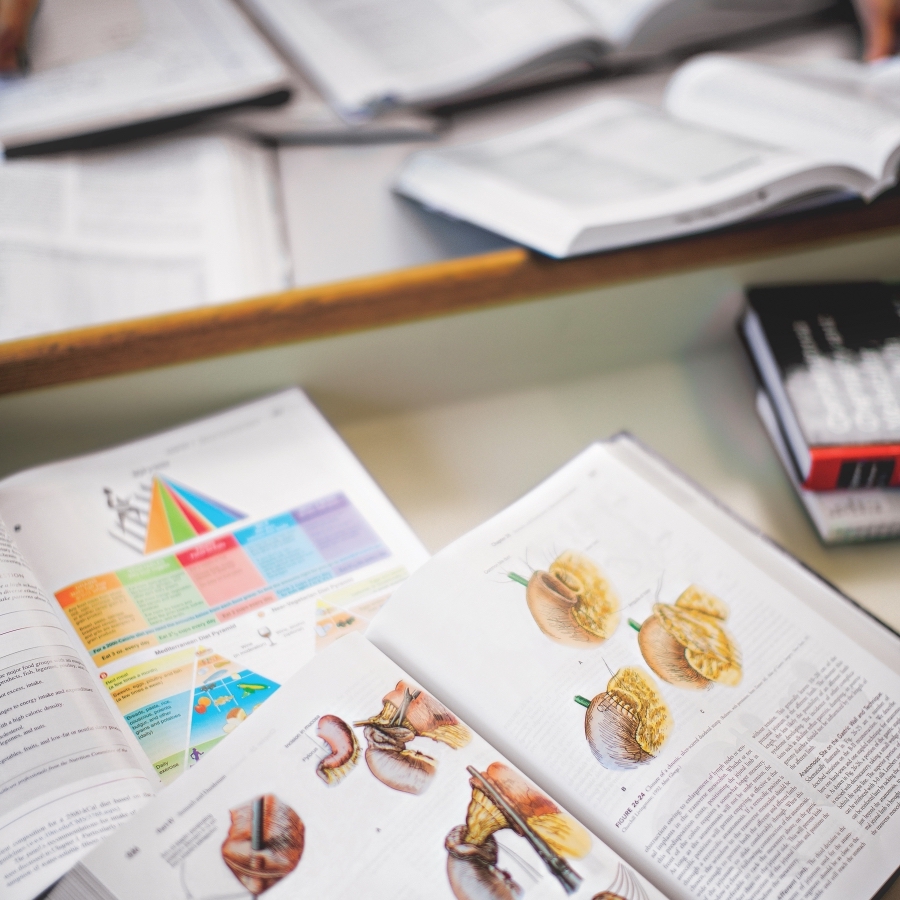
pixel 825 471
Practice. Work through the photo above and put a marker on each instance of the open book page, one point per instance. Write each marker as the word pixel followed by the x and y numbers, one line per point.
pixel 201 567
pixel 69 773
pixel 609 174
pixel 692 710
pixel 116 235
pixel 785 107
pixel 649 27
pixel 99 64
pixel 365 53
pixel 308 119
pixel 355 782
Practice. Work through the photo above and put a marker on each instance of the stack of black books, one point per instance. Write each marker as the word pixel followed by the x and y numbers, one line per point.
pixel 828 361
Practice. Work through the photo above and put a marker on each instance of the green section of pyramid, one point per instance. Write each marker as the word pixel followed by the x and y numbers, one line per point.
pixel 178 524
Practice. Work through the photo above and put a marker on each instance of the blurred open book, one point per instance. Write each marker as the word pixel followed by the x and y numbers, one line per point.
pixel 367 55
pixel 734 139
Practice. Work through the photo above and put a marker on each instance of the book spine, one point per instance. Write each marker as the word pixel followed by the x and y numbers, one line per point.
pixel 851 467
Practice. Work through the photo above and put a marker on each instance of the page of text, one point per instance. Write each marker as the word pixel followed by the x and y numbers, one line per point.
pixel 686 707
pixel 785 108
pixel 69 774
pixel 624 170
pixel 97 64
pixel 363 52
pixel 86 240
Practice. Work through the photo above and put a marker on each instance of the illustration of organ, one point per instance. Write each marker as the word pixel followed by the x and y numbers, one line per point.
pixel 408 713
pixel 627 725
pixel 264 843
pixel 426 716
pixel 686 643
pixel 501 798
pixel 572 603
pixel 344 748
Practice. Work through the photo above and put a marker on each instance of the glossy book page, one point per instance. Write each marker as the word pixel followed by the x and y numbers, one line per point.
pixel 355 781
pixel 666 675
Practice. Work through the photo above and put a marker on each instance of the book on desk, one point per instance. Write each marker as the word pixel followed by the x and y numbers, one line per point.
pixel 610 686
pixel 735 139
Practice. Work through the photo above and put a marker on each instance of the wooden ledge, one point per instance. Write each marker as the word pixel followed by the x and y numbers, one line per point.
pixel 421 292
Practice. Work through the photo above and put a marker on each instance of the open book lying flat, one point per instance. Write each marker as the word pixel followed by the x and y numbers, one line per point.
pixel 366 55
pixel 154 596
pixel 154 228
pixel 673 705
pixel 101 65
pixel 735 139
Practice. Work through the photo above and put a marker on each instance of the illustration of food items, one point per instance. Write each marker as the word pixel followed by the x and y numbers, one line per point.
pixel 264 843
pixel 407 713
pixel 503 799
pixel 686 644
pixel 627 725
pixel 344 755
pixel 573 603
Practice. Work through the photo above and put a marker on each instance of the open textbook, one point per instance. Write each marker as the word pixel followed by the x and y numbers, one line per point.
pixel 153 596
pixel 367 55
pixel 359 784
pixel 734 139
pixel 120 234
pixel 101 65
pixel 718 717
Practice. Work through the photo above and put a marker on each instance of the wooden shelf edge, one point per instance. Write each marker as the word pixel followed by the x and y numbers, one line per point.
pixel 424 291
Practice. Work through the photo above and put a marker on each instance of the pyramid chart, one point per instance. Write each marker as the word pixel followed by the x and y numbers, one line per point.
pixel 178 514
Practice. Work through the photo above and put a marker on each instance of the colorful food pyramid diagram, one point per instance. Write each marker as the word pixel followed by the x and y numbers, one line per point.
pixel 178 514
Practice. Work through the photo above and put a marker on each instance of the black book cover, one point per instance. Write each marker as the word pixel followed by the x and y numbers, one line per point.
pixel 837 349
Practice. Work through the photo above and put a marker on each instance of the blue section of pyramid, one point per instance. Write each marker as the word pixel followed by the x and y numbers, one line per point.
pixel 217 514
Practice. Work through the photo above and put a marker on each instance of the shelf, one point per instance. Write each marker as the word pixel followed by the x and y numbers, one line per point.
pixel 436 289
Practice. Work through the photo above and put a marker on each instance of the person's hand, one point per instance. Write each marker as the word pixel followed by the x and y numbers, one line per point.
pixel 880 22
pixel 15 19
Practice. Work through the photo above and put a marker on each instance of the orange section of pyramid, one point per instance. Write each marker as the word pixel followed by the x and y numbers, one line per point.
pixel 178 514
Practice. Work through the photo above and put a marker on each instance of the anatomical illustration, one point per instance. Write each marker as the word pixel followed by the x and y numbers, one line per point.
pixel 344 755
pixel 501 798
pixel 627 725
pixel 686 643
pixel 409 713
pixel 264 843
pixel 572 603
pixel 624 887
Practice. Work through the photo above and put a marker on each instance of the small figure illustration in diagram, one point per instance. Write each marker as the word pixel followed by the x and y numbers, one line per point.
pixel 686 643
pixel 572 602
pixel 408 713
pixel 626 725
pixel 503 799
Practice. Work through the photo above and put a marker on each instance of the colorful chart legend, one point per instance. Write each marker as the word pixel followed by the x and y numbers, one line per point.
pixel 220 579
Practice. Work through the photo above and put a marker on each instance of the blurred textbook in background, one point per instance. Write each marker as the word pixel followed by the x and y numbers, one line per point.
pixel 160 592
pixel 145 230
pixel 368 55
pixel 102 65
pixel 735 138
